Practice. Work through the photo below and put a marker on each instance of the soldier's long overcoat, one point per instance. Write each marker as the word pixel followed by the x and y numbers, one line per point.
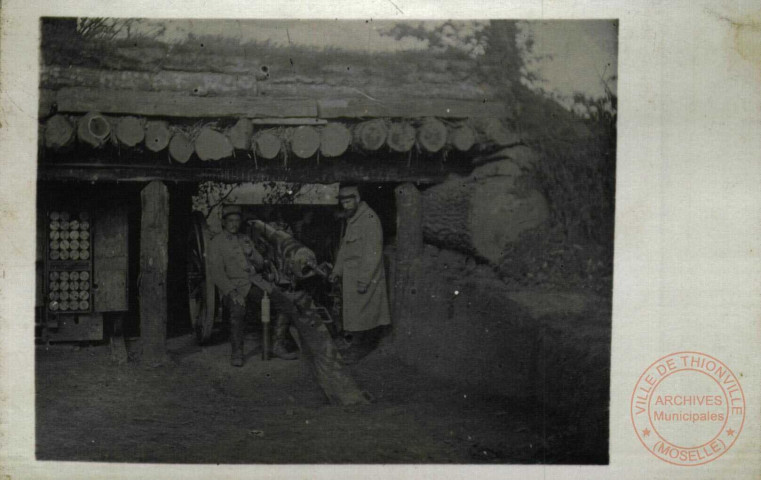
pixel 360 259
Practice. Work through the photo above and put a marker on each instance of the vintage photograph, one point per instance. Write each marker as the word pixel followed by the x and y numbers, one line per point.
pixel 325 241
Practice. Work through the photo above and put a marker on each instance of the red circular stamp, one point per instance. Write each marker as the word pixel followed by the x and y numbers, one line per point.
pixel 688 408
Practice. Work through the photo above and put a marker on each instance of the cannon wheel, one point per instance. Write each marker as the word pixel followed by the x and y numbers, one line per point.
pixel 201 291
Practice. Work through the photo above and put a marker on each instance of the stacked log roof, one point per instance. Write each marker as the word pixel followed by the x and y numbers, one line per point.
pixel 258 106
pixel 274 137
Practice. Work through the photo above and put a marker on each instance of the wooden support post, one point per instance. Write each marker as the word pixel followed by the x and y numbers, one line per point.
pixel 119 353
pixel 154 241
pixel 409 223
pixel 409 248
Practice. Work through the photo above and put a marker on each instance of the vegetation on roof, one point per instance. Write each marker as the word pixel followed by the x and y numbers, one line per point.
pixel 578 172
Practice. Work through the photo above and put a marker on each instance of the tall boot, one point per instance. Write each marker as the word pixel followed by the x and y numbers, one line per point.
pixel 279 349
pixel 236 341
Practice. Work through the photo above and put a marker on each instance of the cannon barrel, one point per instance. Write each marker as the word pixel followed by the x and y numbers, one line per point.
pixel 292 258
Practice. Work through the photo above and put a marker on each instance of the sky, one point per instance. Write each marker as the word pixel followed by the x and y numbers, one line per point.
pixel 572 56
pixel 575 56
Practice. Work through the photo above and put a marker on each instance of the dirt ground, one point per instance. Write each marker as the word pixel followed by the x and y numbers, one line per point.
pixel 198 409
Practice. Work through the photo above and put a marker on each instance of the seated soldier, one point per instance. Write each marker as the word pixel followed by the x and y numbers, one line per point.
pixel 234 264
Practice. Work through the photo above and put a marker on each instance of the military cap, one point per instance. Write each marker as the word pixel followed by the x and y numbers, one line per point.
pixel 231 210
pixel 348 191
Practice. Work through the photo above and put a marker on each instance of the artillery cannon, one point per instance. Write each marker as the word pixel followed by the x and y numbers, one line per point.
pixel 289 262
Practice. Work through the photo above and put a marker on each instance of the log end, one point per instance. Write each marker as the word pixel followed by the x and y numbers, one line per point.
pixel 371 136
pixel 401 137
pixel 157 135
pixel 267 145
pixel 334 140
pixel 212 145
pixel 240 134
pixel 130 131
pixel 495 131
pixel 432 135
pixel 463 138
pixel 499 215
pixel 305 141
pixel 59 132
pixel 93 129
pixel 180 148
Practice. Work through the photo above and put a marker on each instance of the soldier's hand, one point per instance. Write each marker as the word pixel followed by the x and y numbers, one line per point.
pixel 333 277
pixel 238 298
pixel 361 287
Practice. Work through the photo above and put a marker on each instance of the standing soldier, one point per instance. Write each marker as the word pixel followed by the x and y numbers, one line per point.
pixel 234 264
pixel 359 264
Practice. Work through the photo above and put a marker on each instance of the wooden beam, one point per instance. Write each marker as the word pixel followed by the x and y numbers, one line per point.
pixel 411 108
pixel 276 62
pixel 288 121
pixel 154 242
pixel 190 83
pixel 350 171
pixel 370 87
pixel 199 83
pixel 172 104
